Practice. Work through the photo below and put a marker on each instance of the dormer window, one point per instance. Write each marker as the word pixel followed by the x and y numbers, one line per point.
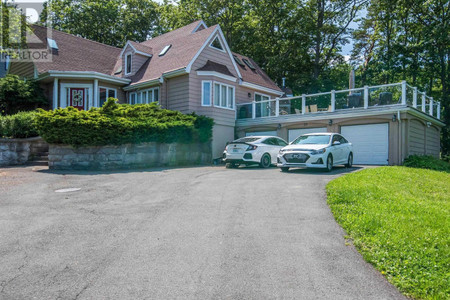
pixel 217 44
pixel 128 64
pixel 164 51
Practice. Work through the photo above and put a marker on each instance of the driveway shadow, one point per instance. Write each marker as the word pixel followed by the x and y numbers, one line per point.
pixel 336 170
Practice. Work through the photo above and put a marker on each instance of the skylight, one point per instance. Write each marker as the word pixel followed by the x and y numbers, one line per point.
pixel 164 51
pixel 52 44
pixel 249 64
pixel 238 61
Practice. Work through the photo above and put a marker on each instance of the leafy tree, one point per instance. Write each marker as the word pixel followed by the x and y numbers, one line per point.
pixel 19 95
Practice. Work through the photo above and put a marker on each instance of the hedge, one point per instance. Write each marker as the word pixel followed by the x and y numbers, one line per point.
pixel 20 125
pixel 116 124
pixel 427 162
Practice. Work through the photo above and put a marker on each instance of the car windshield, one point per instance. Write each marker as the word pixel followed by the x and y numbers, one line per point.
pixel 312 140
pixel 247 140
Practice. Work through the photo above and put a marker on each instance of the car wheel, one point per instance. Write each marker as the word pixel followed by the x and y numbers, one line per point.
pixel 265 161
pixel 329 163
pixel 350 161
pixel 284 169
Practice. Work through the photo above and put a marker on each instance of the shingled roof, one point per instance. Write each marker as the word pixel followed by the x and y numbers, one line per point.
pixel 77 54
pixel 216 67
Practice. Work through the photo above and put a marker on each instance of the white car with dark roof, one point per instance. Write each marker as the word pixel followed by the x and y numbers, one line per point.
pixel 316 150
pixel 262 150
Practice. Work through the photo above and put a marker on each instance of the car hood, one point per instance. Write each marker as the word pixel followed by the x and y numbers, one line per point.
pixel 305 147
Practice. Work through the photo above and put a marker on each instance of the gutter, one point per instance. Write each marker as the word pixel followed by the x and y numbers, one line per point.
pixel 83 75
pixel 156 81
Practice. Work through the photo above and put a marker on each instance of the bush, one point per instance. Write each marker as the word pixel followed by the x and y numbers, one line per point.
pixel 20 125
pixel 427 162
pixel 20 95
pixel 116 124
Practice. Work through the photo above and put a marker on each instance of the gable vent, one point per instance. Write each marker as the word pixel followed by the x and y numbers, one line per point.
pixel 164 51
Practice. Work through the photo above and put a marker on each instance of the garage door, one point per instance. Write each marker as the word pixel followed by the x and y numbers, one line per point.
pixel 295 133
pixel 261 133
pixel 370 143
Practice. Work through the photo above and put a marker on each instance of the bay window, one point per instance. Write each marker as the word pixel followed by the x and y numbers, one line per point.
pixel 106 93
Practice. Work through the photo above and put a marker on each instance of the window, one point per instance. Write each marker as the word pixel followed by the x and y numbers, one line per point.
pixel 206 93
pixel 128 64
pixel 106 93
pixel 145 96
pixel 164 51
pixel 52 44
pixel 261 97
pixel 217 44
pixel 281 143
pixel 223 95
pixel 249 64
pixel 238 61
pixel 133 98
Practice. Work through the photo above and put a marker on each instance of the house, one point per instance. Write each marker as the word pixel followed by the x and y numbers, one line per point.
pixel 192 69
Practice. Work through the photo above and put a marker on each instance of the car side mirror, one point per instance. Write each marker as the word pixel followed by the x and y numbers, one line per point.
pixel 336 143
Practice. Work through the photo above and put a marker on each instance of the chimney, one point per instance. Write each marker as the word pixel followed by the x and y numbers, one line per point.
pixel 284 82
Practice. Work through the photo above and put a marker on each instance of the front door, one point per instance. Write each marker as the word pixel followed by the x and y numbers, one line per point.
pixel 77 98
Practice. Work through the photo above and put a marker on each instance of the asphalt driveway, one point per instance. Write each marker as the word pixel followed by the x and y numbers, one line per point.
pixel 194 233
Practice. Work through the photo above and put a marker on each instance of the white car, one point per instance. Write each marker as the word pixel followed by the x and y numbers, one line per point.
pixel 262 150
pixel 316 150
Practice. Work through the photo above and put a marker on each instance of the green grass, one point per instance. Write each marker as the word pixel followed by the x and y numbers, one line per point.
pixel 399 220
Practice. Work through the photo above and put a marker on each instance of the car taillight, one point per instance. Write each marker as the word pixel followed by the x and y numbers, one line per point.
pixel 252 147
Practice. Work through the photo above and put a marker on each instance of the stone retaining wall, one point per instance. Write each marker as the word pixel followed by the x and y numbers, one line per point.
pixel 20 151
pixel 128 156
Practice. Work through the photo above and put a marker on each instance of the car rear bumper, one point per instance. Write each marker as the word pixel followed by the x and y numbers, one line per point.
pixel 242 158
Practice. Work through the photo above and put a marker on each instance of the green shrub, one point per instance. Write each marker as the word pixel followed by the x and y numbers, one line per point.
pixel 115 124
pixel 427 162
pixel 20 95
pixel 20 125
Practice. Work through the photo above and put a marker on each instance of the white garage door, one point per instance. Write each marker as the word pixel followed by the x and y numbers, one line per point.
pixel 261 133
pixel 370 143
pixel 295 133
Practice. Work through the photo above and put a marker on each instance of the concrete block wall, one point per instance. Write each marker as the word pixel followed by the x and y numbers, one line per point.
pixel 128 156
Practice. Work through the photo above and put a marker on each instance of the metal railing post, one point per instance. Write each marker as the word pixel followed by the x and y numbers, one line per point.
pixel 431 106
pixel 366 97
pixel 438 113
pixel 253 110
pixel 424 102
pixel 415 97
pixel 277 107
pixel 303 104
pixel 333 100
pixel 404 92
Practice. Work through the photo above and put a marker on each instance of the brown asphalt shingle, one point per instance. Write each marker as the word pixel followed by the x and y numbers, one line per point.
pixel 215 67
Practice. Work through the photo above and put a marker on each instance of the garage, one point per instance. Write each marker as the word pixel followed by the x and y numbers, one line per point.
pixel 295 133
pixel 370 143
pixel 261 133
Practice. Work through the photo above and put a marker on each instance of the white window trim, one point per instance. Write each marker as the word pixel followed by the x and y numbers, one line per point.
pixel 153 94
pixel 129 54
pixel 129 99
pixel 210 92
pixel 220 90
pixel 107 93
pixel 217 74
pixel 65 86
pixel 221 44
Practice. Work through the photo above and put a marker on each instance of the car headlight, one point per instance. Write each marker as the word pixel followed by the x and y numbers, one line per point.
pixel 320 151
pixel 281 151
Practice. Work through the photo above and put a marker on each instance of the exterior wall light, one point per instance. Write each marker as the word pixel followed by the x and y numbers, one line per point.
pixel 394 118
pixel 330 122
pixel 428 124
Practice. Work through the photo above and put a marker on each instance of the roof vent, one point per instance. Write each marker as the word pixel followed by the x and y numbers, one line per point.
pixel 164 51
pixel 52 44
pixel 249 64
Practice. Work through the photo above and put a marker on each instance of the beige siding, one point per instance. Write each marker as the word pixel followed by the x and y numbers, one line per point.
pixel 22 69
pixel 416 137
pixel 221 116
pixel 433 141
pixel 178 93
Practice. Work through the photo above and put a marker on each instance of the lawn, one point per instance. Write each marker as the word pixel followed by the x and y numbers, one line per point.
pixel 399 220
